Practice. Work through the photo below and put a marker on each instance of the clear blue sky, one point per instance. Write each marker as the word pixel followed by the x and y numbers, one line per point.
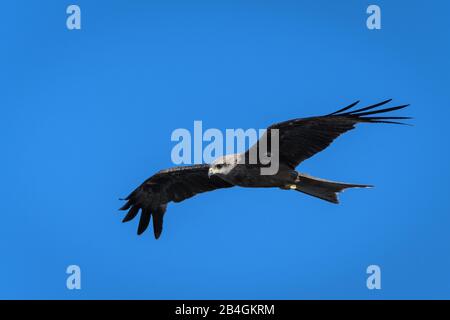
pixel 87 116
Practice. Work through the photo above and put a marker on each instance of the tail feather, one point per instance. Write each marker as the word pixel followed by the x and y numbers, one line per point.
pixel 323 189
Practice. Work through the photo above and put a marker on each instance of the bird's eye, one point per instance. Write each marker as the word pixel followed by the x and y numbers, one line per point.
pixel 219 166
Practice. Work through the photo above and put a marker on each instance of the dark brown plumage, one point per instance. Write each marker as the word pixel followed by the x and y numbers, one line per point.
pixel 299 139
pixel 175 184
pixel 302 138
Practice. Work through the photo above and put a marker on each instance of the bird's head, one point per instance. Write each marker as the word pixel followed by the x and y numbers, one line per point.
pixel 222 165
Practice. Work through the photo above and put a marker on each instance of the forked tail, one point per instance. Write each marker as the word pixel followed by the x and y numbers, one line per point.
pixel 323 189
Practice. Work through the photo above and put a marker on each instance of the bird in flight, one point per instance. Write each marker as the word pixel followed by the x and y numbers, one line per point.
pixel 299 139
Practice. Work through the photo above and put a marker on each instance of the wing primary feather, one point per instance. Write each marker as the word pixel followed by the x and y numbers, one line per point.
pixel 345 108
pixel 130 195
pixel 379 111
pixel 131 214
pixel 391 118
pixel 158 216
pixel 126 206
pixel 369 107
pixel 144 221
pixel 390 122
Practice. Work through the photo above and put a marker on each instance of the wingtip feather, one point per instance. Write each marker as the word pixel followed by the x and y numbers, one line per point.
pixel 143 222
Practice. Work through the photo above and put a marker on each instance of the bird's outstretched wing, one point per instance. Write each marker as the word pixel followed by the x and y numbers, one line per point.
pixel 175 184
pixel 302 138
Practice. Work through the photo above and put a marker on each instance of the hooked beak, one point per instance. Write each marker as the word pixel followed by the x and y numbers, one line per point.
pixel 210 172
